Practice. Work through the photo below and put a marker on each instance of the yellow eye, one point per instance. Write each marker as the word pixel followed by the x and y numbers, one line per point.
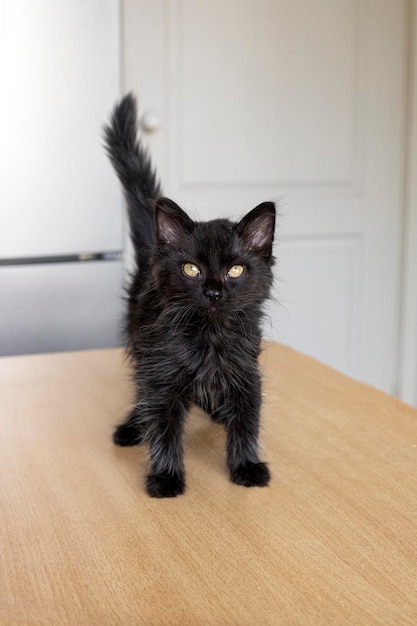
pixel 191 270
pixel 235 271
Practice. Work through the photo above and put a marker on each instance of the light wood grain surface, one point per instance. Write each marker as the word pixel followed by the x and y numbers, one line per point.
pixel 332 540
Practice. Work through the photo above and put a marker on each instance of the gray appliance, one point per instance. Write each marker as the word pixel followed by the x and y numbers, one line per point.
pixel 61 219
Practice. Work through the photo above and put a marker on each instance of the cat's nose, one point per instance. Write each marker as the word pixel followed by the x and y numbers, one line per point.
pixel 212 292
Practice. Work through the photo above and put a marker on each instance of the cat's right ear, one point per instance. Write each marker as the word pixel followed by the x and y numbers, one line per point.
pixel 172 223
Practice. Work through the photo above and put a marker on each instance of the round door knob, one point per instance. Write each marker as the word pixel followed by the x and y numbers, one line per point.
pixel 150 121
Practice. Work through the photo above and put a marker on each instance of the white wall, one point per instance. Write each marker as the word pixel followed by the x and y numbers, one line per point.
pixel 407 384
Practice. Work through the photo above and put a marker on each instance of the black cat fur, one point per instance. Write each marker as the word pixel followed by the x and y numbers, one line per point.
pixel 190 339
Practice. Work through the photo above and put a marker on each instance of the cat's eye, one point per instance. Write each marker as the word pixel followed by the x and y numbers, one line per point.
pixel 236 271
pixel 191 269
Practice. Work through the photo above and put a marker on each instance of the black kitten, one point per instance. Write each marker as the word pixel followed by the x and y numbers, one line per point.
pixel 193 321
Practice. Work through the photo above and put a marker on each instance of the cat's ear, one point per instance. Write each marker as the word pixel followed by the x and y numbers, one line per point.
pixel 256 229
pixel 172 223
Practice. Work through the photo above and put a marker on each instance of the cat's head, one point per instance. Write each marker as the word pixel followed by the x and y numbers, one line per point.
pixel 218 265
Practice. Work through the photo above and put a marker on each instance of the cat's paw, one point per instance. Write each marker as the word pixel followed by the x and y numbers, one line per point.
pixel 251 475
pixel 126 435
pixel 165 485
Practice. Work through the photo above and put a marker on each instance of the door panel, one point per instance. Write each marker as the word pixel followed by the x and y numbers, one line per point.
pixel 314 316
pixel 268 60
pixel 304 104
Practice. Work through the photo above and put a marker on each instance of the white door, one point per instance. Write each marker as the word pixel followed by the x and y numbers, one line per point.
pixel 303 103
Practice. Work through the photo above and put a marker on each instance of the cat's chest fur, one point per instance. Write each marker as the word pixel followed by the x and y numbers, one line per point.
pixel 220 366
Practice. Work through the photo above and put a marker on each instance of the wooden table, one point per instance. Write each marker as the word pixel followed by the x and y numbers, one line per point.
pixel 332 540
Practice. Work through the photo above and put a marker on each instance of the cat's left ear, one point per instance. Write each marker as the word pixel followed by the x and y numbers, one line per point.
pixel 257 229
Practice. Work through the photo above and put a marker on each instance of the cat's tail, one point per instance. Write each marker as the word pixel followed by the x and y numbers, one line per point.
pixel 134 169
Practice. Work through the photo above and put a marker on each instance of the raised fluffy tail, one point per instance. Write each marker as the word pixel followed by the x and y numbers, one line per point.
pixel 134 169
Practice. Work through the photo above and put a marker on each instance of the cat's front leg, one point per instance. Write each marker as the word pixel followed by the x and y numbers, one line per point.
pixel 166 478
pixel 242 426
